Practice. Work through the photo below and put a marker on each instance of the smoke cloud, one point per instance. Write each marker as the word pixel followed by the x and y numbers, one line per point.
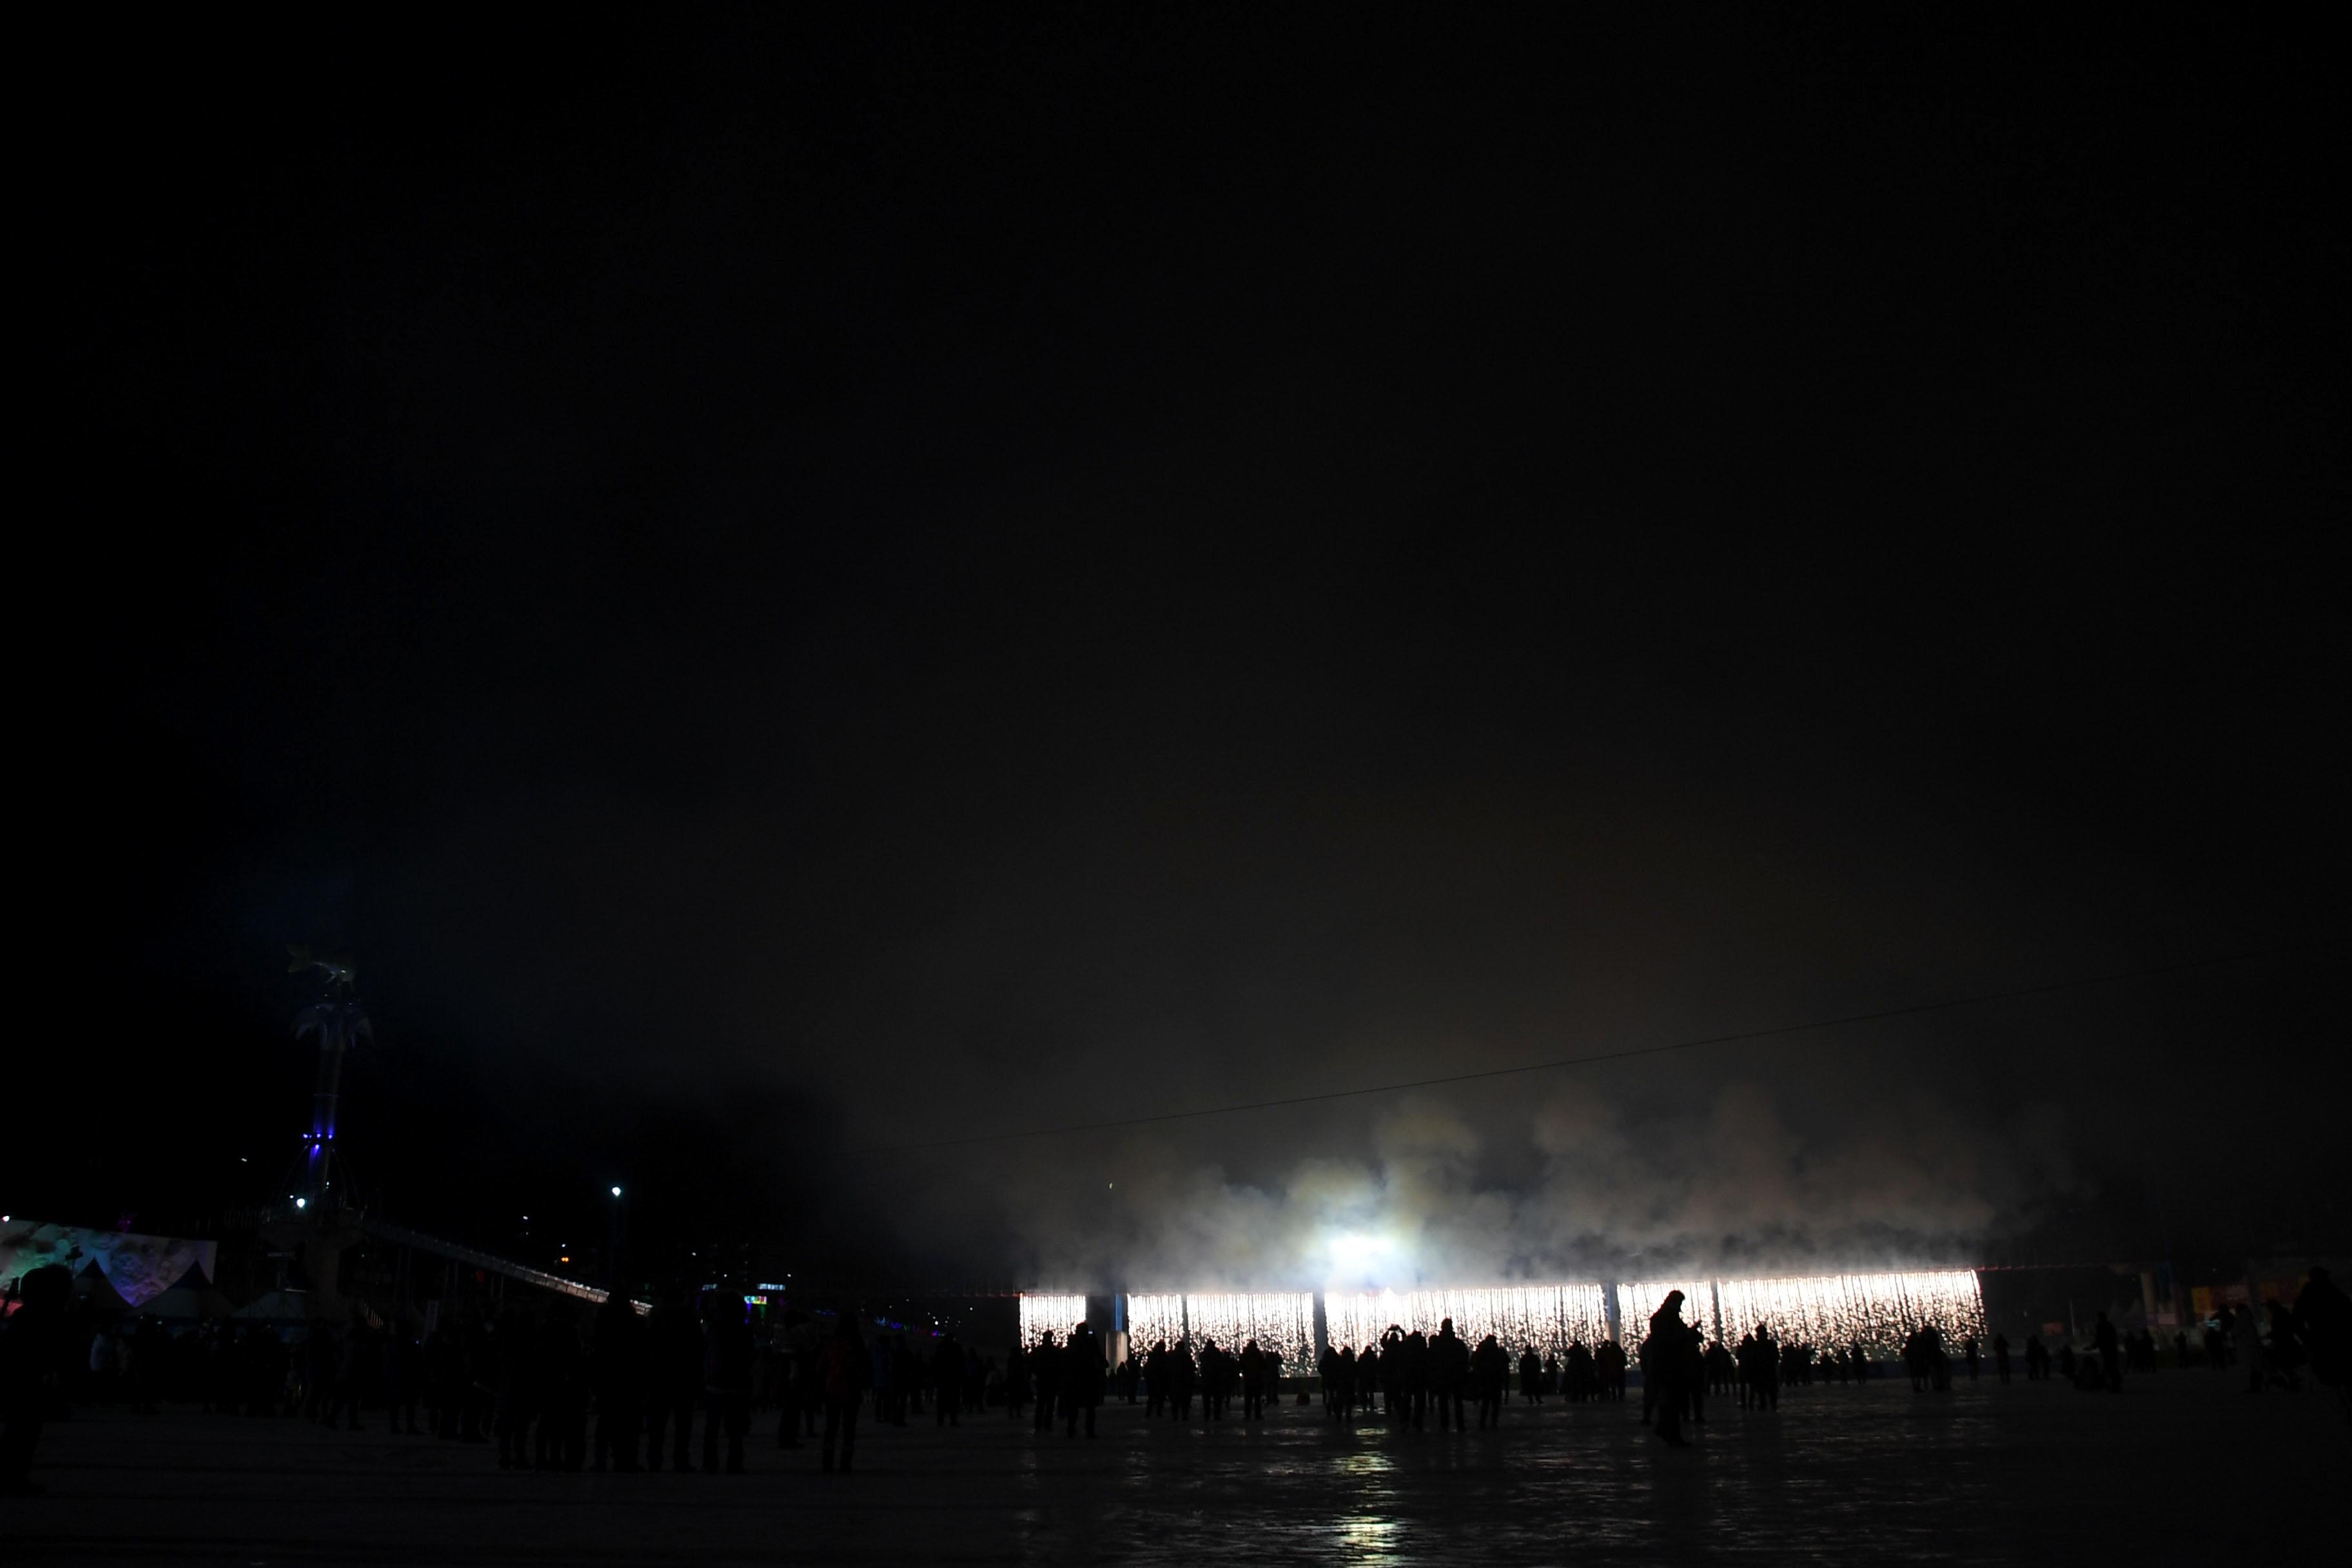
pixel 1731 1184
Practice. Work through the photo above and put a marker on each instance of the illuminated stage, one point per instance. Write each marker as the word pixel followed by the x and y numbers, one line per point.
pixel 1876 1312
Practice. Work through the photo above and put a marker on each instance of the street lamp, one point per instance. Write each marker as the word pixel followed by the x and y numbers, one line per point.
pixel 613 1253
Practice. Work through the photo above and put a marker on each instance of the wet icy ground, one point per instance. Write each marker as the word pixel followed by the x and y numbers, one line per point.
pixel 2181 1465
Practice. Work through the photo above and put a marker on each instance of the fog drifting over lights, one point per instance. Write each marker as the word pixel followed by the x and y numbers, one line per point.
pixel 1355 1252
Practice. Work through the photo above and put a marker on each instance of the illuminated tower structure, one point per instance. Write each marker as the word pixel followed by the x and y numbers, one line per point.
pixel 340 1022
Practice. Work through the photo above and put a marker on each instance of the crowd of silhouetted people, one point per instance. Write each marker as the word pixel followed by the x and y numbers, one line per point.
pixel 560 1385
pixel 1407 1376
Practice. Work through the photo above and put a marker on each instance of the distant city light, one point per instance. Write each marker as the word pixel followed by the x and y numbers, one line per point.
pixel 616 1192
pixel 301 1203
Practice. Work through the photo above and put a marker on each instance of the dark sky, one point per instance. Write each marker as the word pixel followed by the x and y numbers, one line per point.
pixel 794 585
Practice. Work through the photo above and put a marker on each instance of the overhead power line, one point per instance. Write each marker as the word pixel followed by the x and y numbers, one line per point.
pixel 1630 1052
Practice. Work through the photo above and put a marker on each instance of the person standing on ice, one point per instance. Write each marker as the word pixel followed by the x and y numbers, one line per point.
pixel 1045 1363
pixel 1082 1376
pixel 1449 1369
pixel 1670 1353
pixel 1254 1381
pixel 845 1372
pixel 1490 1371
pixel 2322 1314
pixel 2111 1360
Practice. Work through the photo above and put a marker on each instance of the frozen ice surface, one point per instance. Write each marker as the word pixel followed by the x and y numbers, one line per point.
pixel 2181 1465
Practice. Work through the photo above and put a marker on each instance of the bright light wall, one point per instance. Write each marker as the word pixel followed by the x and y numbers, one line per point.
pixel 1548 1317
pixel 1637 1300
pixel 1153 1318
pixel 1876 1312
pixel 1059 1313
pixel 1282 1321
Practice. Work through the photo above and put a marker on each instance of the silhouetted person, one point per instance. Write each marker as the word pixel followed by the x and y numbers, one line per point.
pixel 616 1374
pixel 726 1383
pixel 1045 1366
pixel 1609 1370
pixel 1082 1378
pixel 2286 1358
pixel 2111 1365
pixel 1184 1375
pixel 1017 1373
pixel 845 1373
pixel 887 1390
pixel 1253 1380
pixel 404 1375
pixel 1667 1359
pixel 1764 1380
pixel 2323 1316
pixel 2246 1338
pixel 2000 1357
pixel 1393 1377
pixel 947 1384
pixel 445 1392
pixel 1340 1391
pixel 2037 1360
pixel 1490 1373
pixel 809 1339
pixel 1969 1355
pixel 512 1353
pixel 35 1353
pixel 559 1393
pixel 674 1361
pixel 790 1391
pixel 1722 1368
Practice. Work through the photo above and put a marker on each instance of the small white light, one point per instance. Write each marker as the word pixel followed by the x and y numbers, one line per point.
pixel 616 1192
pixel 301 1203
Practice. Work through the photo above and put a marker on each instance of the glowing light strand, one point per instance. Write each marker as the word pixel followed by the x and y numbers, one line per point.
pixel 1548 1317
pixel 1041 1311
pixel 1876 1312
pixel 1281 1321
pixel 1151 1318
pixel 1638 1299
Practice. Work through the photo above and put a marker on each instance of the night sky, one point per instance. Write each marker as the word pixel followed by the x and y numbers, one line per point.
pixel 790 587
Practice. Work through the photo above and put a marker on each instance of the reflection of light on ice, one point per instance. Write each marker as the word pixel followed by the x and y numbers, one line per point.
pixel 1281 1321
pixel 1059 1313
pixel 1548 1317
